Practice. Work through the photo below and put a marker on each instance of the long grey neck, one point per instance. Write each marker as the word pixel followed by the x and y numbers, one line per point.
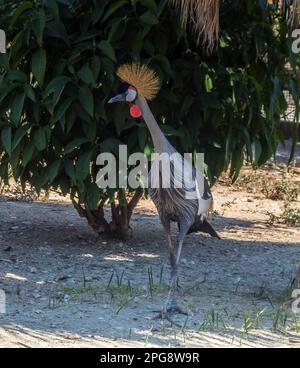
pixel 159 140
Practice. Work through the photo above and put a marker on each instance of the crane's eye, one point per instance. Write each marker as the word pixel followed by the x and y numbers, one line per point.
pixel 131 94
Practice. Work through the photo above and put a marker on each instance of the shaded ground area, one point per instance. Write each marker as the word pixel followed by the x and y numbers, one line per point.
pixel 283 153
pixel 64 287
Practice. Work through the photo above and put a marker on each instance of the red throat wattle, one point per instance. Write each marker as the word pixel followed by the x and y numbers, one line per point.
pixel 135 111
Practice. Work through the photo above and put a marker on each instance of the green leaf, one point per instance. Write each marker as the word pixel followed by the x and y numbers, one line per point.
pixel 14 163
pixel 93 196
pixel 120 112
pixel 170 131
pixel 257 151
pixel 17 108
pixel 86 74
pixel 29 92
pixel 6 90
pixel 164 63
pixel 187 104
pixel 110 145
pixel 39 181
pixel 18 12
pixel 56 87
pixel 53 7
pixel 70 119
pixel 237 161
pixel 151 4
pixel 4 172
pixel 90 130
pixel 41 137
pixel 53 170
pixel 56 29
pixel 107 50
pixel 4 61
pixel 208 83
pixel 86 100
pixel 117 30
pixel 109 68
pixel 97 13
pixel 83 165
pixel 16 76
pixel 149 18
pixel 17 48
pixel 6 139
pixel 95 66
pixel 20 133
pixel 113 9
pixel 74 144
pixel 142 137
pixel 38 25
pixel 28 153
pixel 39 66
pixel 70 170
pixel 61 110
pixel 64 184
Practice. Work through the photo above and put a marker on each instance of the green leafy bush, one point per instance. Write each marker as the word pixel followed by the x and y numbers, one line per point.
pixel 60 69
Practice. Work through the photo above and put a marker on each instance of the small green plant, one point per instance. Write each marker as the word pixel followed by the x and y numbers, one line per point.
pixel 252 321
pixel 121 292
pixel 248 323
pixel 194 288
pixel 119 286
pixel 158 286
pixel 68 294
pixel 285 188
pixel 280 319
pixel 289 216
pixel 213 319
pixel 53 303
pixel 282 190
pixel 296 324
pixel 81 292
pixel 258 317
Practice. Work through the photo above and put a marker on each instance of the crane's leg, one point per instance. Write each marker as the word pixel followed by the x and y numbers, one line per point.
pixel 172 256
pixel 184 227
pixel 171 307
pixel 173 263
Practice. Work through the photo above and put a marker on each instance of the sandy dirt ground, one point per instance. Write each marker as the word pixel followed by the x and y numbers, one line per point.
pixel 66 288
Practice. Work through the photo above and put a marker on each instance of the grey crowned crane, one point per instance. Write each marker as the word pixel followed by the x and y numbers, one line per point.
pixel 174 203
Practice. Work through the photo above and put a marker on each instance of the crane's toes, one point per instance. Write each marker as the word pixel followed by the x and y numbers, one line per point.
pixel 169 311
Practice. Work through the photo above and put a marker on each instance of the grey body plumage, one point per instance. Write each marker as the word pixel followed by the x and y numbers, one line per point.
pixel 172 203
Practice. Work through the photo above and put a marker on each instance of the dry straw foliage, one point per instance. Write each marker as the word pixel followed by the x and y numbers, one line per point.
pixel 203 16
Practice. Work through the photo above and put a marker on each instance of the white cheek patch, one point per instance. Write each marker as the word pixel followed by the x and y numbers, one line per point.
pixel 131 95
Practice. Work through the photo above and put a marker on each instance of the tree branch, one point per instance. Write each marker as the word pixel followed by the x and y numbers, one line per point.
pixel 134 201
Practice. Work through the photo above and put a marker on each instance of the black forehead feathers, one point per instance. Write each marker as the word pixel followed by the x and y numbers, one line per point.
pixel 123 87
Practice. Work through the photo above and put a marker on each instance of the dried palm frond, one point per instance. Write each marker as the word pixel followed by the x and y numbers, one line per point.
pixel 203 16
pixel 140 76
pixel 291 10
pixel 295 13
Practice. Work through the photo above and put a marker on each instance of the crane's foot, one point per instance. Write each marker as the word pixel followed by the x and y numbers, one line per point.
pixel 167 313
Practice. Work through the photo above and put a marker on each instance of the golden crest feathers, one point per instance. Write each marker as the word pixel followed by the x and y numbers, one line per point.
pixel 140 76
